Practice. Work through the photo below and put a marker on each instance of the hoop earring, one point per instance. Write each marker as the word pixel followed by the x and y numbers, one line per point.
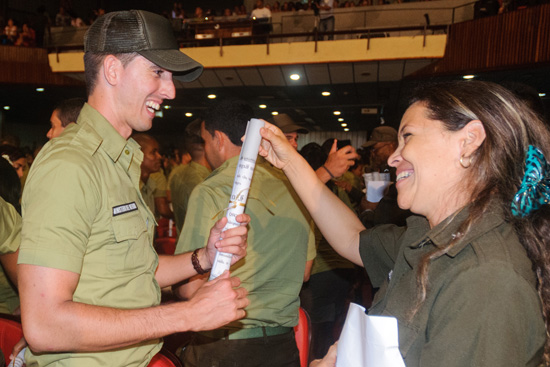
pixel 463 164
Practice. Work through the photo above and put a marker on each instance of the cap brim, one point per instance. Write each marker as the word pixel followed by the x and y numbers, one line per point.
pixel 294 129
pixel 369 143
pixel 182 66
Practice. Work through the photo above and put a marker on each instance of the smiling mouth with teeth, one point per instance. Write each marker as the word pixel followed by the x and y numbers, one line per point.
pixel 152 106
pixel 403 175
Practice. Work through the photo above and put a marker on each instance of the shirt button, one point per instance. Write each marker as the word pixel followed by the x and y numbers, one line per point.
pixel 127 151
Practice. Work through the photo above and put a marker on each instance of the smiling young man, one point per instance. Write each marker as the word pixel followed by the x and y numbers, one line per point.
pixel 90 279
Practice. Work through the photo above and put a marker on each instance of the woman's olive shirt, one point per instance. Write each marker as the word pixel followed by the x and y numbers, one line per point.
pixel 481 307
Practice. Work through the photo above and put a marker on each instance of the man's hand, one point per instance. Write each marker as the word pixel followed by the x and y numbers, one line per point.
pixel 217 303
pixel 232 241
pixel 338 162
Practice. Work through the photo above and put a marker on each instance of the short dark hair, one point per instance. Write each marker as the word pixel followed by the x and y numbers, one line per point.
pixel 10 185
pixel 68 110
pixel 92 64
pixel 229 117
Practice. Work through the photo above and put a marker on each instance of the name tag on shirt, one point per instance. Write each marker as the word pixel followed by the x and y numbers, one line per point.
pixel 124 208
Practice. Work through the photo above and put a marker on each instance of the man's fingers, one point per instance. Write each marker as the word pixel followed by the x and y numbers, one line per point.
pixel 334 146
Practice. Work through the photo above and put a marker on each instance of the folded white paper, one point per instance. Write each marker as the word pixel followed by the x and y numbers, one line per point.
pixel 368 341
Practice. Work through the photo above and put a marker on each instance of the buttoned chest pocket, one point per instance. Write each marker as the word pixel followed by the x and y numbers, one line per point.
pixel 131 241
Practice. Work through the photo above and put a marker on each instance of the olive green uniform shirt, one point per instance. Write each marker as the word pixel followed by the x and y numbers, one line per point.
pixel 481 307
pixel 148 192
pixel 10 231
pixel 280 240
pixel 182 181
pixel 83 213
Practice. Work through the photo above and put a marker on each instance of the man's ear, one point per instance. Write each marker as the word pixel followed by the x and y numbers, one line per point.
pixel 111 69
pixel 219 139
pixel 474 136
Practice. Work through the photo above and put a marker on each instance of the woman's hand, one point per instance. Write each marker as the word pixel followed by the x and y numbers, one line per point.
pixel 232 241
pixel 275 146
pixel 329 360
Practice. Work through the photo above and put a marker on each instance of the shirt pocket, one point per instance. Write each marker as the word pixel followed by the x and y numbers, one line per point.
pixel 131 239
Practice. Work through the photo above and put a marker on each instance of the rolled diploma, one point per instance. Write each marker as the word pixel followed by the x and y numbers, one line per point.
pixel 239 193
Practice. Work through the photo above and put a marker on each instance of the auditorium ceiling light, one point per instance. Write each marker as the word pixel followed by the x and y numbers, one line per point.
pixel 274 113
pixel 212 96
pixel 188 114
pixel 542 95
pixel 340 119
pixel 346 129
pixel 262 106
pixel 325 93
pixel 40 89
pixel 7 108
pixel 343 124
pixel 294 76
pixel 337 113
pixel 467 77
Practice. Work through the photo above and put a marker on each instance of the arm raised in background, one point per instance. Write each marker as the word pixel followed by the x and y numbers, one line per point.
pixel 337 222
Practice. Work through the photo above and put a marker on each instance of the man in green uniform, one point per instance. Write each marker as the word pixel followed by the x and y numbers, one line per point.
pixel 149 165
pixel 281 242
pixel 89 277
pixel 10 230
pixel 184 178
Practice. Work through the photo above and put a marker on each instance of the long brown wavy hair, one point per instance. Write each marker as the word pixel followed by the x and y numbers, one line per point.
pixel 496 171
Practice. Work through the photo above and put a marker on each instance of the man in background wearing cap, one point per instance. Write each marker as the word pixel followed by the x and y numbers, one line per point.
pixel 89 277
pixel 338 161
pixel 383 142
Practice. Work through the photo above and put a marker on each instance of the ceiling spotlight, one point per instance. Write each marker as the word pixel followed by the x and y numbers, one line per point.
pixel 337 113
pixel 294 76
pixel 343 124
pixel 166 107
pixel 188 114
pixel 340 119
pixel 7 108
pixel 212 96
pixel 40 89
pixel 262 106
pixel 274 113
pixel 468 77
pixel 542 95
pixel 346 129
pixel 326 94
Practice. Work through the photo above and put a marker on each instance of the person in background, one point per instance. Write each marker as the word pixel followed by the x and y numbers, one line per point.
pixel 88 275
pixel 468 278
pixel 65 112
pixel 282 247
pixel 338 161
pixel 10 230
pixel 184 178
pixel 16 157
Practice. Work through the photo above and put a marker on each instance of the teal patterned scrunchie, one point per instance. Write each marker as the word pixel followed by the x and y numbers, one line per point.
pixel 534 191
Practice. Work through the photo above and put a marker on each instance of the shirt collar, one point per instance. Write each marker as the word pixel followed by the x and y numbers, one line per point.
pixel 444 232
pixel 109 139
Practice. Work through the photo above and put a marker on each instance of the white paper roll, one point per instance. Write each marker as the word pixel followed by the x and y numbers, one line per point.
pixel 239 193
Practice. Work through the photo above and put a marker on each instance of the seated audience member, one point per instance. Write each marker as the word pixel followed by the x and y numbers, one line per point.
pixel 10 33
pixel 260 11
pixel 471 270
pixel 66 112
pixel 281 242
pixel 27 37
pixel 62 19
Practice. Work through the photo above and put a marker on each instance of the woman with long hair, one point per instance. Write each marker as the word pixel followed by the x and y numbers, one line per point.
pixel 468 278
